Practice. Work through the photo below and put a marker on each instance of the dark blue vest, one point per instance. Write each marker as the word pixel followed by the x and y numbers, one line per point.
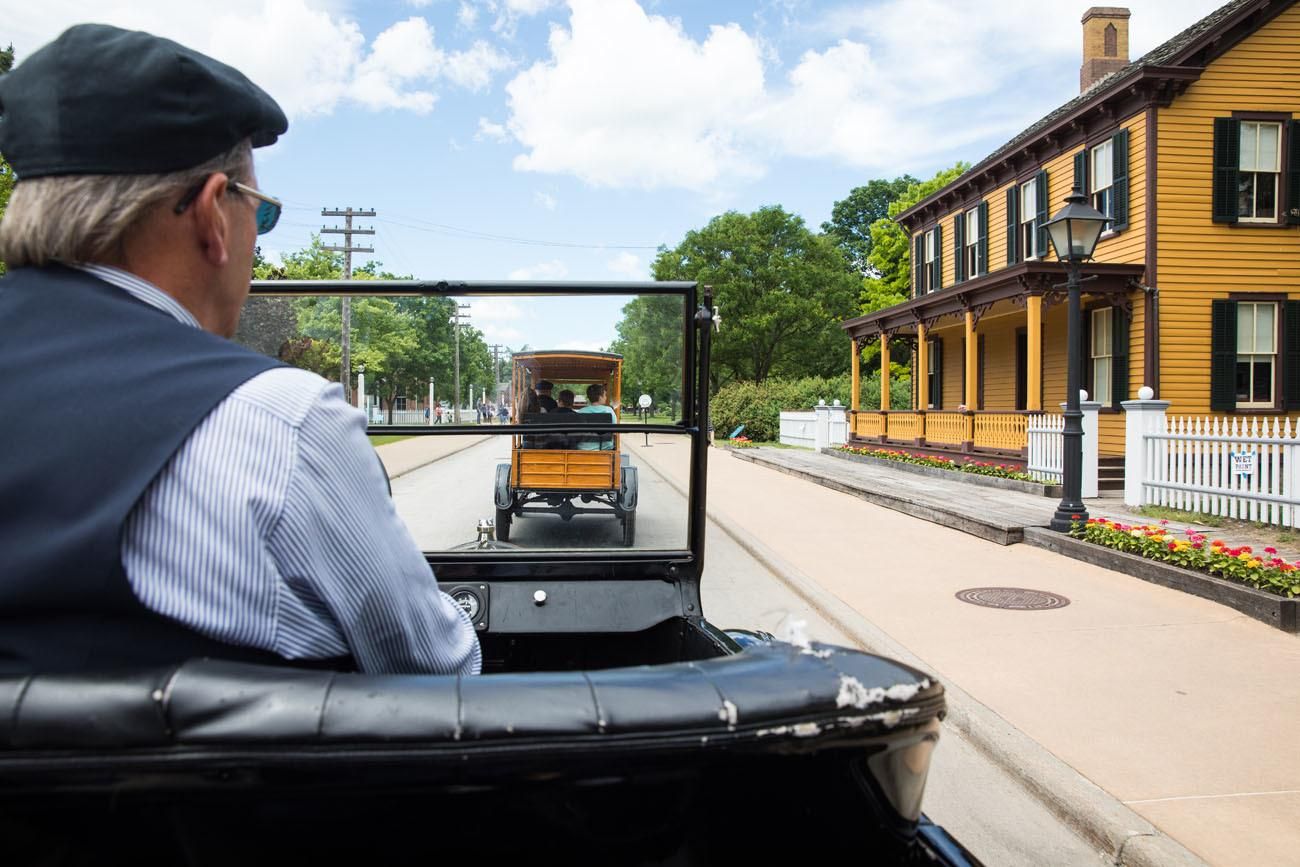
pixel 97 392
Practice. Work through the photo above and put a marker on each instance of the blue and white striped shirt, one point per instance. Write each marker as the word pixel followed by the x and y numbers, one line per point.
pixel 271 527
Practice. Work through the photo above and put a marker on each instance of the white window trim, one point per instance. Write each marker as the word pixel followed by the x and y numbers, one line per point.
pixel 1107 353
pixel 970 252
pixel 1271 403
pixel 1032 213
pixel 1276 173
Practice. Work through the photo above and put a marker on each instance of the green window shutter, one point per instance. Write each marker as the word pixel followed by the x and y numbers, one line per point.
pixel 1119 325
pixel 1223 355
pixel 1013 223
pixel 1119 174
pixel 1081 171
pixel 1293 172
pixel 959 247
pixel 1040 219
pixel 984 238
pixel 1291 346
pixel 1227 161
pixel 936 273
pixel 918 262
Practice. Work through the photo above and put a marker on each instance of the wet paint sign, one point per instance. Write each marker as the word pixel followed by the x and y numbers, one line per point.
pixel 1243 463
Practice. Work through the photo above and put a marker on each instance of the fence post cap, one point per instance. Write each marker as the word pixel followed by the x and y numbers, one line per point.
pixel 836 402
pixel 1146 392
pixel 1139 405
pixel 821 402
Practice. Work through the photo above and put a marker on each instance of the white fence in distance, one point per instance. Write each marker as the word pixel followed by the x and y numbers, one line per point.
pixel 1242 468
pixel 823 426
pixel 799 429
pixel 1046 447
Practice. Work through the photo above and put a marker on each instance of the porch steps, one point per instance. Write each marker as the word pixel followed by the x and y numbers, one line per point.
pixel 996 515
pixel 1110 476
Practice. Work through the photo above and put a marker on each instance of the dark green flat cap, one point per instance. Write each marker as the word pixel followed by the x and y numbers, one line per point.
pixel 107 101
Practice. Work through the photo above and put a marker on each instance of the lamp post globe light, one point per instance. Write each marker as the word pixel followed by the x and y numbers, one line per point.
pixel 1074 230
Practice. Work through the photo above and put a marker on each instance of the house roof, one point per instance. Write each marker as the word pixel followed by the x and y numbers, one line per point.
pixel 1197 44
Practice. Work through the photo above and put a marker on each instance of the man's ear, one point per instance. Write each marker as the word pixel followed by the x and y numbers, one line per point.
pixel 210 222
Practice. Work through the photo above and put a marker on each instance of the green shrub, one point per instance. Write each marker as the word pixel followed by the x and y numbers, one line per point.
pixel 758 406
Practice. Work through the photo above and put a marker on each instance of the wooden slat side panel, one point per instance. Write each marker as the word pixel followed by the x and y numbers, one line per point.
pixel 1200 260
pixel 565 469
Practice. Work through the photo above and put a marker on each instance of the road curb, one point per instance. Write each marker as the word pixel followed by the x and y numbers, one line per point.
pixel 1127 839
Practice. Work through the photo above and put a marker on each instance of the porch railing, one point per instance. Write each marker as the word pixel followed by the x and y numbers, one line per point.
pixel 1004 431
pixel 990 431
pixel 948 428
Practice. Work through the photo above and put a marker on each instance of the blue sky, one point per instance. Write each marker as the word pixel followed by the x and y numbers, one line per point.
pixel 551 139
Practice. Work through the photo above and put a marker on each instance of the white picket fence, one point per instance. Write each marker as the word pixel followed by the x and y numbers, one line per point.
pixel 799 429
pixel 400 416
pixel 1046 446
pixel 1243 468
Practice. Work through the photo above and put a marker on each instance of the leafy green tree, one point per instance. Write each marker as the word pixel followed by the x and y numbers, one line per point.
pixel 890 260
pixel 650 341
pixel 782 290
pixel 852 218
pixel 6 172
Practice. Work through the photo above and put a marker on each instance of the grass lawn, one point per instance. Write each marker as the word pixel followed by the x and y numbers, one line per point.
pixel 1252 530
pixel 385 440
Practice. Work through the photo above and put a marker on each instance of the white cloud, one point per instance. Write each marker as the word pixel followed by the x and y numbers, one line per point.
pixel 310 55
pixel 546 200
pixel 552 270
pixel 418 4
pixel 496 309
pixel 509 12
pixel 628 264
pixel 489 131
pixel 467 15
pixel 474 68
pixel 630 100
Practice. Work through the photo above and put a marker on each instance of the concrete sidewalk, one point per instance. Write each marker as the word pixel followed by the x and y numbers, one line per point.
pixel 1182 709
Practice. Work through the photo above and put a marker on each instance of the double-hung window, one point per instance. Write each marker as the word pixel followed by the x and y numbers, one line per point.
pixel 399 402
pixel 1029 219
pixel 1101 175
pixel 927 276
pixel 974 250
pixel 933 380
pixel 1260 169
pixel 1100 352
pixel 1256 354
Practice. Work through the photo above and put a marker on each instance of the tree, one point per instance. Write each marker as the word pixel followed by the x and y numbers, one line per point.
pixel 6 172
pixel 650 341
pixel 782 290
pixel 890 259
pixel 852 218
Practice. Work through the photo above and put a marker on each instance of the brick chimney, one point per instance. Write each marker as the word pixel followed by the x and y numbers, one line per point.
pixel 1105 43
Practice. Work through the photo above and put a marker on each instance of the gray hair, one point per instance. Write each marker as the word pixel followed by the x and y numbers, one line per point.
pixel 86 218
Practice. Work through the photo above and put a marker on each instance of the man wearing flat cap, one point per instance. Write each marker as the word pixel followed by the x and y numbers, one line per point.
pixel 182 496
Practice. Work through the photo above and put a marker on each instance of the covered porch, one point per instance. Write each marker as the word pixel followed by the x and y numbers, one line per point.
pixel 988 353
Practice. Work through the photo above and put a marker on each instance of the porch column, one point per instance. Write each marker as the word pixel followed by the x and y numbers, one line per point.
pixel 884 371
pixel 972 364
pixel 1034 361
pixel 856 361
pixel 922 369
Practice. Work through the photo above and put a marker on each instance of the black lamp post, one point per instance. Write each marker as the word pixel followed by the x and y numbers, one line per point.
pixel 1074 231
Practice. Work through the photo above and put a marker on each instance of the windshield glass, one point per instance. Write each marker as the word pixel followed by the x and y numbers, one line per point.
pixel 488 410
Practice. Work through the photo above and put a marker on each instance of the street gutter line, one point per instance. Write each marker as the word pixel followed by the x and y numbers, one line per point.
pixel 1212 797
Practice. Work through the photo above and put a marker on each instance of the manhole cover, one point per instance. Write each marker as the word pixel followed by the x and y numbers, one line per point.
pixel 1014 598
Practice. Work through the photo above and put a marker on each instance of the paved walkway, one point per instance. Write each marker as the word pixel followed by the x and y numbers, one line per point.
pixel 1181 708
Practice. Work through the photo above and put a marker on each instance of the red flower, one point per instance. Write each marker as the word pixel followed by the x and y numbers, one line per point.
pixel 1198 545
pixel 1247 549
pixel 1173 546
pixel 1076 517
pixel 1270 550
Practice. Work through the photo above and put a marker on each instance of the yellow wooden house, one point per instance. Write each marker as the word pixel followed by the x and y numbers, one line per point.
pixel 1193 151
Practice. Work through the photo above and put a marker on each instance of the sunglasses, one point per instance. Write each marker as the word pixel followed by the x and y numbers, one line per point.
pixel 268 209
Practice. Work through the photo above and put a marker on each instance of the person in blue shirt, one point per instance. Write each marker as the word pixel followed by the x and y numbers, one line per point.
pixel 598 402
pixel 222 504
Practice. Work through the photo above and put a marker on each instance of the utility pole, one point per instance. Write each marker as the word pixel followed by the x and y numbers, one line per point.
pixel 345 340
pixel 456 323
pixel 496 365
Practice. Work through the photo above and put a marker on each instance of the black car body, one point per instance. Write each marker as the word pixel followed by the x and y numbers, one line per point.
pixel 613 723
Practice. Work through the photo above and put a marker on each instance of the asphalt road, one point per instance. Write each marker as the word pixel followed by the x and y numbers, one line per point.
pixel 443 502
pixel 970 796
